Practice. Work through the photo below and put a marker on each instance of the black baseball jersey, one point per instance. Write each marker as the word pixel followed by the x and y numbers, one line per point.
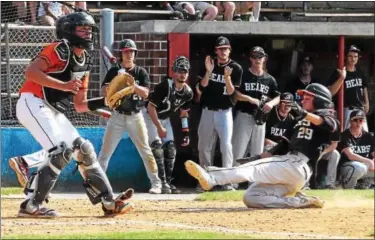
pixel 259 87
pixel 276 126
pixel 168 100
pixel 215 95
pixel 363 145
pixel 354 85
pixel 296 84
pixel 306 137
pixel 141 78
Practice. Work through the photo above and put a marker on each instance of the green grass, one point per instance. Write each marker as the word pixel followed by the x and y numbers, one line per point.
pixel 323 194
pixel 138 235
pixel 11 190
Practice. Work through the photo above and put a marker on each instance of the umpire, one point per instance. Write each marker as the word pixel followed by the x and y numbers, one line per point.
pixel 257 86
pixel 128 116
pixel 218 79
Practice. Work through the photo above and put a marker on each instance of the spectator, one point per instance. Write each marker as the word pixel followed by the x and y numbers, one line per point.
pixel 257 86
pixel 357 152
pixel 21 11
pixel 302 79
pixel 242 8
pixel 49 12
pixel 227 9
pixel 208 11
pixel 355 86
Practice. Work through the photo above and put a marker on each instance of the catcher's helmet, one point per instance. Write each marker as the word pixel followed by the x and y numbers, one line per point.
pixel 322 96
pixel 181 63
pixel 66 28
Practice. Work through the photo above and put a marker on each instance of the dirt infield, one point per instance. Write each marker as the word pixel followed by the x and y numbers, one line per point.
pixel 337 219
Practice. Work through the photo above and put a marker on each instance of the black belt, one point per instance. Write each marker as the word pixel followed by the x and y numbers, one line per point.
pixel 128 113
pixel 216 109
pixel 356 108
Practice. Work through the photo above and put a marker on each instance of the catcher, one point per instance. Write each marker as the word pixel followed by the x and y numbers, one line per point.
pixel 126 85
pixel 249 124
pixel 168 97
pixel 57 76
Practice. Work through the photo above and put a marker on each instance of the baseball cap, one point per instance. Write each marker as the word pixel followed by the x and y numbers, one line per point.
pixel 257 51
pixel 286 97
pixel 306 59
pixel 353 48
pixel 357 114
pixel 222 42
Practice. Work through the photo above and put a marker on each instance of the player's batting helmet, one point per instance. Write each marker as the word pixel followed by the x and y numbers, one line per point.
pixel 66 28
pixel 322 96
pixel 128 44
pixel 181 63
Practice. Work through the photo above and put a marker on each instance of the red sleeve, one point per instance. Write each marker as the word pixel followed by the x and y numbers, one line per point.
pixel 56 55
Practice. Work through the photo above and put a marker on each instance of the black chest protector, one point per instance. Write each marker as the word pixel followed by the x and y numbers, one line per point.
pixel 75 68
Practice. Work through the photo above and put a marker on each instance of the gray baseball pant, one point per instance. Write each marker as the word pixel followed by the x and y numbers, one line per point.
pixel 135 126
pixel 247 136
pixel 211 123
pixel 333 159
pixel 352 171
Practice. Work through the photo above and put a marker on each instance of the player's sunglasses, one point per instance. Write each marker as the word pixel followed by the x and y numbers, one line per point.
pixel 256 56
pixel 360 120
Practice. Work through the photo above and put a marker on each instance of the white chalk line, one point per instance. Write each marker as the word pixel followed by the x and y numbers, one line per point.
pixel 6 222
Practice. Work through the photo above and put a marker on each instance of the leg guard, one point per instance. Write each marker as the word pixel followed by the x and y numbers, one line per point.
pixel 96 183
pixel 169 158
pixel 158 152
pixel 45 179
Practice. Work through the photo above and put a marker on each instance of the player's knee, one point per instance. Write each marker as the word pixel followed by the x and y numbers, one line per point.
pixel 252 200
pixel 157 150
pixel 169 150
pixel 86 152
pixel 59 156
pixel 336 156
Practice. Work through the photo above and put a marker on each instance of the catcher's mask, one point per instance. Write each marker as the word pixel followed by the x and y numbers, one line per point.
pixel 322 96
pixel 181 64
pixel 66 29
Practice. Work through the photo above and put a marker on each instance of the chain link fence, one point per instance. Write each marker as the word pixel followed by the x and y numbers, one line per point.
pixel 19 45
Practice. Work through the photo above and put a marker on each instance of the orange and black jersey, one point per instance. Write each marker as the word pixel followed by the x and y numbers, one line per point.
pixel 167 100
pixel 62 65
pixel 306 137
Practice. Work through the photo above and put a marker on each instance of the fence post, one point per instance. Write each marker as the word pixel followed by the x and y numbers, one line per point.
pixel 106 38
pixel 7 59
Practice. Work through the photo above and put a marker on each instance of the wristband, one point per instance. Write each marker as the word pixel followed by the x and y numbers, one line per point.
pixel 184 124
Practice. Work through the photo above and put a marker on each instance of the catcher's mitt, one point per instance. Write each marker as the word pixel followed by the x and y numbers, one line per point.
pixel 260 116
pixel 118 89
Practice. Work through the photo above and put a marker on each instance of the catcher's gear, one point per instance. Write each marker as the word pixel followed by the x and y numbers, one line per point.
pixel 322 96
pixel 297 111
pixel 66 28
pixel 181 64
pixel 121 87
pixel 260 116
pixel 127 44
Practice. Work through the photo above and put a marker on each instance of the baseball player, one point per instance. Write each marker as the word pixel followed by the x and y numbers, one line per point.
pixel 168 97
pixel 279 179
pixel 357 152
pixel 278 120
pixel 128 116
pixel 57 76
pixel 218 80
pixel 355 86
pixel 257 86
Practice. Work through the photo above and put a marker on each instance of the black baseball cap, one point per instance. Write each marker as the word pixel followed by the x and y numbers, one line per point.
pixel 307 59
pixel 258 51
pixel 353 48
pixel 357 114
pixel 286 97
pixel 222 42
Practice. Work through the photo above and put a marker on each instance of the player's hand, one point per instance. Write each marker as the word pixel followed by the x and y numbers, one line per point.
pixel 297 111
pixel 370 165
pixel 162 132
pixel 227 71
pixel 342 73
pixel 209 63
pixel 267 107
pixel 185 141
pixel 254 101
pixel 72 86
pixel 265 155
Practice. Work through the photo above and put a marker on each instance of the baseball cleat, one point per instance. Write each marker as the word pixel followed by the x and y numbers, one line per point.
pixel 121 208
pixel 155 190
pixel 127 195
pixel 165 188
pixel 196 171
pixel 20 168
pixel 309 201
pixel 41 212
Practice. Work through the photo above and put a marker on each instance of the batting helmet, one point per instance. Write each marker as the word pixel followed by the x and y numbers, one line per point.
pixel 66 28
pixel 127 44
pixel 322 96
pixel 181 63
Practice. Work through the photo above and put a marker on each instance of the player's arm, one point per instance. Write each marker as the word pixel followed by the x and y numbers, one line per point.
pixel 269 142
pixel 366 104
pixel 156 99
pixel 274 94
pixel 355 157
pixel 205 74
pixel 81 103
pixel 151 109
pixel 340 76
pixel 232 77
pixel 244 98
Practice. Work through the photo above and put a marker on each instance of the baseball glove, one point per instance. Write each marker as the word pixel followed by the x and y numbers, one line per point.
pixel 119 89
pixel 260 116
